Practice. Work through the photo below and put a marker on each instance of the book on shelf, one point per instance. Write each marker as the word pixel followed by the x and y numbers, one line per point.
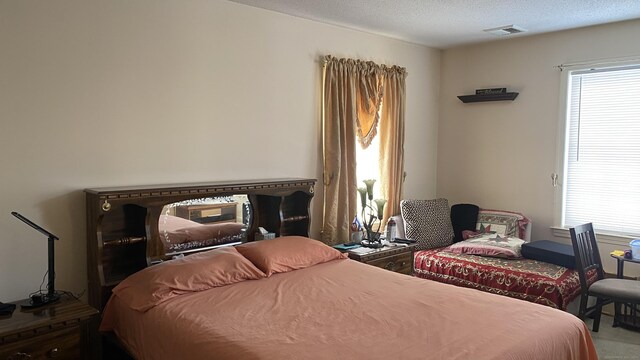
pixel 345 247
pixel 491 91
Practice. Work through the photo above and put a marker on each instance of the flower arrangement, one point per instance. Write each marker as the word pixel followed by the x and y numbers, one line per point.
pixel 368 211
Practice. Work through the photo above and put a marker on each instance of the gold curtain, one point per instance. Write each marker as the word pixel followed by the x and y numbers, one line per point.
pixel 339 110
pixel 392 139
pixel 353 92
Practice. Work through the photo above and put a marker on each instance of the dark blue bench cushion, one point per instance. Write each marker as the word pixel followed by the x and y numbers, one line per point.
pixel 550 252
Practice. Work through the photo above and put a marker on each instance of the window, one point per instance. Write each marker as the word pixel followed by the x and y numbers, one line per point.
pixel 602 150
pixel 368 167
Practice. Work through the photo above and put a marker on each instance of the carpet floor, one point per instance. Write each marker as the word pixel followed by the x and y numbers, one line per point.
pixel 615 343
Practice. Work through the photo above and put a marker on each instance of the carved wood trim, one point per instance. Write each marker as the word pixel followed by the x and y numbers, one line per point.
pixel 105 194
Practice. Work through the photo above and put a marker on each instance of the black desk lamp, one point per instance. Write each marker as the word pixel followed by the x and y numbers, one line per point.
pixel 51 296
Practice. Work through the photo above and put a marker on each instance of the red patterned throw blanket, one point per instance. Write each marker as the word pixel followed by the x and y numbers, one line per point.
pixel 525 279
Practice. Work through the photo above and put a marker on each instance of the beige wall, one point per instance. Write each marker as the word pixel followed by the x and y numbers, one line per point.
pixel 104 93
pixel 97 93
pixel 501 154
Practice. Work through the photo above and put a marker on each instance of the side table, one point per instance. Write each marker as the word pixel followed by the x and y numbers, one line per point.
pixel 396 258
pixel 625 314
pixel 59 330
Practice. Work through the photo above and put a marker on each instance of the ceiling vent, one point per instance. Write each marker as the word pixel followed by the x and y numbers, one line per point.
pixel 505 30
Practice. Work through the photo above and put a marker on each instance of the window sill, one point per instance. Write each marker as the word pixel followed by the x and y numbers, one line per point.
pixel 603 237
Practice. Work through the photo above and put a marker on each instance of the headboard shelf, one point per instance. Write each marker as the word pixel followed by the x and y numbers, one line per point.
pixel 123 233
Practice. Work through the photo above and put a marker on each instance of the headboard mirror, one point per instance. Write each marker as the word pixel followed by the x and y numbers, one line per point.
pixel 129 228
pixel 195 223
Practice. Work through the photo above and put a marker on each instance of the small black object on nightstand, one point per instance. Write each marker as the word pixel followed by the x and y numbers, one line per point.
pixel 7 309
pixel 405 241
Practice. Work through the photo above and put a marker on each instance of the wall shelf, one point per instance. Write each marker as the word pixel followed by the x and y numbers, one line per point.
pixel 489 97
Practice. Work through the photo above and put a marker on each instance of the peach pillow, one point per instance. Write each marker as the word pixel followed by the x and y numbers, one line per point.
pixel 288 253
pixel 156 284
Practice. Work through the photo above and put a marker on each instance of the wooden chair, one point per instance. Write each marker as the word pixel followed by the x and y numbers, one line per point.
pixel 606 291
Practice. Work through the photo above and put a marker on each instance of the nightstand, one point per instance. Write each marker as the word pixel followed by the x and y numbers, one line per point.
pixel 397 258
pixel 56 331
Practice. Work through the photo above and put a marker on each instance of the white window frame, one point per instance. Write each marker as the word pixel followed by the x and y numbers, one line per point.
pixel 558 230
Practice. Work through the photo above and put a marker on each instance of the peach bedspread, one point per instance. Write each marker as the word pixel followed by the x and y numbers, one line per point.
pixel 347 310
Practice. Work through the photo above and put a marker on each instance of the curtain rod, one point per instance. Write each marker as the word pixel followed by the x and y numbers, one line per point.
pixel 325 59
pixel 561 67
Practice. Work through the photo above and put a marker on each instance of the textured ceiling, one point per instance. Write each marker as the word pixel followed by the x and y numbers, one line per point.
pixel 448 23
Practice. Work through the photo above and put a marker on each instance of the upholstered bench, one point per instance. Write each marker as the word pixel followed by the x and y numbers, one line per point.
pixel 550 252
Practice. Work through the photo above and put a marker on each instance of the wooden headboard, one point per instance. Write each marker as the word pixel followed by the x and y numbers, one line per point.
pixel 122 222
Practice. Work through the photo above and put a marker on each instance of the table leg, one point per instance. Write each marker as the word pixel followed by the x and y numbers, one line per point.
pixel 617 305
pixel 620 271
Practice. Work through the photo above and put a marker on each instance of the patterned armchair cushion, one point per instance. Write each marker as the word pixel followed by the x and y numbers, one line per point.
pixel 428 222
pixel 504 223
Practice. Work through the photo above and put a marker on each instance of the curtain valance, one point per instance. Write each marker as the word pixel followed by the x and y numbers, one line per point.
pixel 369 91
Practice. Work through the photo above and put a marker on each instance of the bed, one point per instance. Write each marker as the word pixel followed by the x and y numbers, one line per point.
pixel 536 281
pixel 298 299
pixel 343 309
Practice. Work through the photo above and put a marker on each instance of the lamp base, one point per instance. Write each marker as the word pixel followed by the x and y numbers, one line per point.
pixel 38 300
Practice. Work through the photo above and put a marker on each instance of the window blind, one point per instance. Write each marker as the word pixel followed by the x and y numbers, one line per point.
pixel 602 179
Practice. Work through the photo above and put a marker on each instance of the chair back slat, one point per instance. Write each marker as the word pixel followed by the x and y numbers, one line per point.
pixel 585 248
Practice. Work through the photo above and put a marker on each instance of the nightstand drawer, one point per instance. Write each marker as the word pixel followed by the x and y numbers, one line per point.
pixel 59 344
pixel 400 263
